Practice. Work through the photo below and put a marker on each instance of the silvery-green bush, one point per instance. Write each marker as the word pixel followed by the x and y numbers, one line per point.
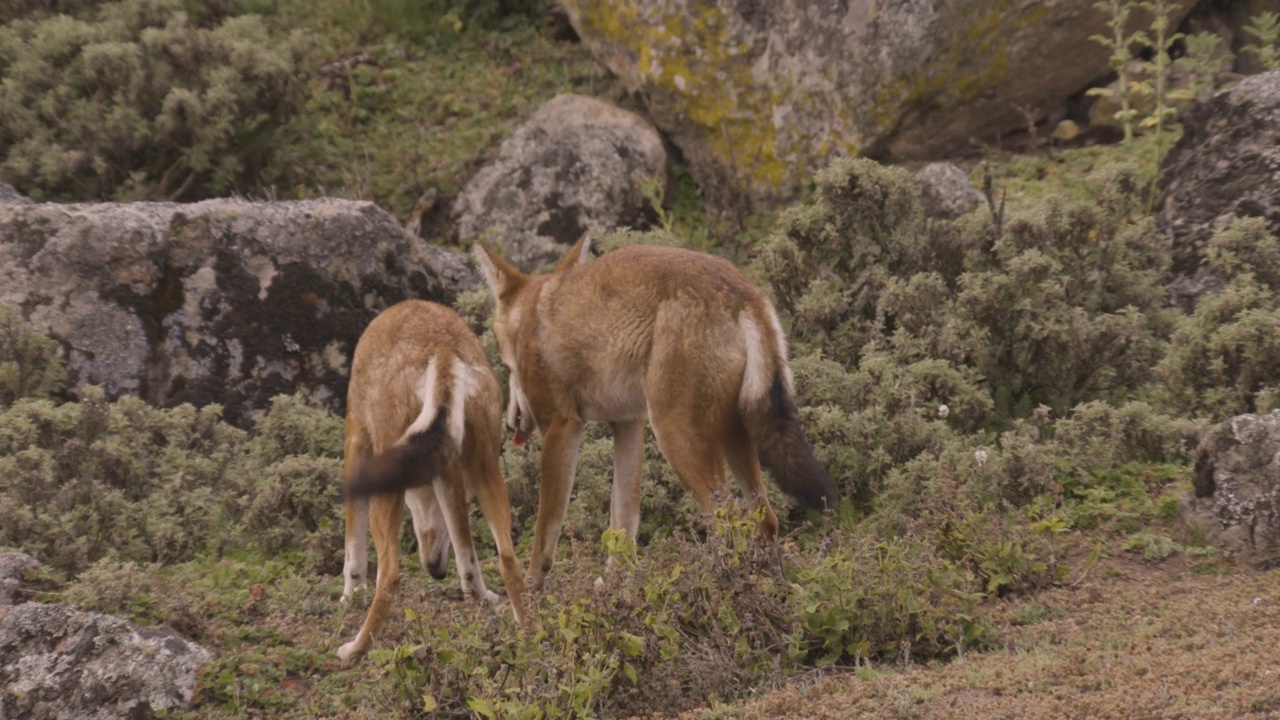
pixel 137 99
pixel 1223 358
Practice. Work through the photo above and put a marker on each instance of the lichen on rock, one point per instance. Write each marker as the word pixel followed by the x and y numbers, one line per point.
pixel 758 95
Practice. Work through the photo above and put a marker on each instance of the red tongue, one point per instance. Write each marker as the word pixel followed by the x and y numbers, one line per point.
pixel 520 438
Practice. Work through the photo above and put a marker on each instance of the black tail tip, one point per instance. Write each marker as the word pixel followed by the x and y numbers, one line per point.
pixel 415 462
pixel 387 473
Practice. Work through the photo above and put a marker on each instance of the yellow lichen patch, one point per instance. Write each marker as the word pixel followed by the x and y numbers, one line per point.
pixel 696 67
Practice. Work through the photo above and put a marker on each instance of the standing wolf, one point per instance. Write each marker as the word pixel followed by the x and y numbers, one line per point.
pixel 679 336
pixel 424 428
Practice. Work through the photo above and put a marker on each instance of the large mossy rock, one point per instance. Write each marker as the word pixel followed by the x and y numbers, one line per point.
pixel 222 301
pixel 759 95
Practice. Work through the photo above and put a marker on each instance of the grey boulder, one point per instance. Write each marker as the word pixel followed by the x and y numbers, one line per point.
pixel 579 164
pixel 57 663
pixel 221 301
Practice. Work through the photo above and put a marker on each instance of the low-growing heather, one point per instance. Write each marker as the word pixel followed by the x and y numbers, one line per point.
pixel 682 620
pixel 867 599
pixel 91 480
pixel 691 618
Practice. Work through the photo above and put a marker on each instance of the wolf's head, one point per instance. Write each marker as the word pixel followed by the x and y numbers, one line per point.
pixel 515 298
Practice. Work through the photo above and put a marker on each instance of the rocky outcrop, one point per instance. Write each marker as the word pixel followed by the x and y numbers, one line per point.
pixel 1225 166
pixel 578 164
pixel 759 95
pixel 8 194
pixel 1236 500
pixel 945 191
pixel 221 301
pixel 57 663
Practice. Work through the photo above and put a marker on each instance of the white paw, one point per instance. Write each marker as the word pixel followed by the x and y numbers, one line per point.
pixel 348 651
pixel 490 596
pixel 351 587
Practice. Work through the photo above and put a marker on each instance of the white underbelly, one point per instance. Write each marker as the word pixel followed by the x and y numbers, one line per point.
pixel 614 401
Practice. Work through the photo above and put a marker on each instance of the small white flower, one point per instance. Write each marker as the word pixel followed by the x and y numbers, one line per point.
pixel 943 412
pixel 980 457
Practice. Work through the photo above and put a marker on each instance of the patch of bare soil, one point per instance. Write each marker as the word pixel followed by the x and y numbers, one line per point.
pixel 1184 639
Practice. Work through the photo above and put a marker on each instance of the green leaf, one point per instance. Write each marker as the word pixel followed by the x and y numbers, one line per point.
pixel 630 645
pixel 482 707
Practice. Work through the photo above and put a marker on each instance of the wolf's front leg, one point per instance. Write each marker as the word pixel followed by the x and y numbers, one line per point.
pixel 560 444
pixel 628 464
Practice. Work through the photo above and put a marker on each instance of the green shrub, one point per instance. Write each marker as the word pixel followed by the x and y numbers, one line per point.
pixel 1246 250
pixel 294 506
pixel 972 470
pixel 892 599
pixel 1099 435
pixel 1222 358
pixel 134 100
pixel 866 422
pixel 29 363
pixel 15 9
pixel 292 427
pixel 90 480
pixel 1065 307
pixel 124 481
pixel 687 618
pixel 122 588
pixel 831 257
pixel 1070 311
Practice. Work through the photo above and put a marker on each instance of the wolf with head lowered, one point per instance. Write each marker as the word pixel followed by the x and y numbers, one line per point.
pixel 679 337
pixel 423 429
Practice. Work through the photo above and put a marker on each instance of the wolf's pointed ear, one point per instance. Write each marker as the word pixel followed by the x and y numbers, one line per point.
pixel 501 276
pixel 578 254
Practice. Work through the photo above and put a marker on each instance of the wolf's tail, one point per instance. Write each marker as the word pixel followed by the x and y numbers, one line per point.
pixel 428 445
pixel 773 421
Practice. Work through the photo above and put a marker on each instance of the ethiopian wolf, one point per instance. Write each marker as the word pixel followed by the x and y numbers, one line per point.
pixel 678 336
pixel 424 428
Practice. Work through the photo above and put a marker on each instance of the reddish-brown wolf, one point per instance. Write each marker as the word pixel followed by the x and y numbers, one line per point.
pixel 424 428
pixel 680 337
